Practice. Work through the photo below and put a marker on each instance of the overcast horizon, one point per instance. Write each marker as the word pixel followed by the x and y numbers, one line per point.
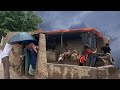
pixel 107 22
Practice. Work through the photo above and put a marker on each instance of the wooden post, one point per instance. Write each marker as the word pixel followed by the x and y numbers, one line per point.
pixel 61 40
pixel 21 62
pixel 41 64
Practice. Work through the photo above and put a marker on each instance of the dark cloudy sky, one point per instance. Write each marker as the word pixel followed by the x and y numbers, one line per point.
pixel 107 22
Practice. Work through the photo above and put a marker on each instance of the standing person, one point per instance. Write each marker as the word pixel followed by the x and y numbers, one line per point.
pixel 26 58
pixel 5 58
pixel 87 53
pixel 33 57
pixel 82 58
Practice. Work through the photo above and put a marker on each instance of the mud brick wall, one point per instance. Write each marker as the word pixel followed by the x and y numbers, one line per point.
pixel 60 71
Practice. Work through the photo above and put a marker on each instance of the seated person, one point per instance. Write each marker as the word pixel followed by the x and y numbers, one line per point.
pixel 106 49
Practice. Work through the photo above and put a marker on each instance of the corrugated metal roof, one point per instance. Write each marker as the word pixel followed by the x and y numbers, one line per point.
pixel 93 30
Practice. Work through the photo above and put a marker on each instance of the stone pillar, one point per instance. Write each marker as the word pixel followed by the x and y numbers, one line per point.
pixel 16 61
pixel 41 64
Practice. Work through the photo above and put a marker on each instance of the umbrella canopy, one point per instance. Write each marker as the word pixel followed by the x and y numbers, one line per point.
pixel 27 42
pixel 22 37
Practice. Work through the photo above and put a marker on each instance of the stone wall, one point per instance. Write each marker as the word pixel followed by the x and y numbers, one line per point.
pixel 62 71
pixel 107 72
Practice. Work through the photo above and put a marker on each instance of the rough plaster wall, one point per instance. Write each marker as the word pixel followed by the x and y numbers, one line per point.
pixel 51 56
pixel 62 71
pixel 15 61
pixel 76 44
pixel 107 72
pixel 41 65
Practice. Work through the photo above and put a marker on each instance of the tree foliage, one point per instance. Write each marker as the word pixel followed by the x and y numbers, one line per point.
pixel 19 21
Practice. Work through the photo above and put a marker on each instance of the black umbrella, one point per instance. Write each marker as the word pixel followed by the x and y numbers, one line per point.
pixel 22 37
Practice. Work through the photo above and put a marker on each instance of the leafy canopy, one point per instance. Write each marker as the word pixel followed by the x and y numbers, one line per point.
pixel 18 21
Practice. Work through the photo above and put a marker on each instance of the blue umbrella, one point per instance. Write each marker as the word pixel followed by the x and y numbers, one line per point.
pixel 27 42
pixel 22 38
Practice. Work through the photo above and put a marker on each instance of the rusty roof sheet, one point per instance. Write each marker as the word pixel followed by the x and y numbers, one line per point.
pixel 93 30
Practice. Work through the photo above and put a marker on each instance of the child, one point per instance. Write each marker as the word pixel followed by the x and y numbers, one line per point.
pixel 82 58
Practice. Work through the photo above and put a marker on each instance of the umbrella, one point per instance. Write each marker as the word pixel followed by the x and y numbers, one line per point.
pixel 22 38
pixel 27 42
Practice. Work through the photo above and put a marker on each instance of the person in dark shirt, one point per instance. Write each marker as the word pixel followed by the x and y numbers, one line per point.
pixel 106 48
pixel 107 51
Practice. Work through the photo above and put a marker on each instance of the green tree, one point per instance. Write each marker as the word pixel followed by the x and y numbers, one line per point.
pixel 18 21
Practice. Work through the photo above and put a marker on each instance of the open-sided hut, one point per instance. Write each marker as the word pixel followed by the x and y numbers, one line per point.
pixel 52 43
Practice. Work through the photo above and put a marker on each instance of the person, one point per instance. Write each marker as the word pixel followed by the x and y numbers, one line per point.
pixel 26 59
pixel 106 50
pixel 86 54
pixel 33 57
pixel 34 47
pixel 5 58
pixel 82 58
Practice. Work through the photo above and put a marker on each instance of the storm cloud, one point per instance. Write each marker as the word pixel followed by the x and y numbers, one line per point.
pixel 107 22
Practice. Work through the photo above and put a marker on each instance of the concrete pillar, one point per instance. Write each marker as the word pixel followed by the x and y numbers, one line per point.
pixel 41 66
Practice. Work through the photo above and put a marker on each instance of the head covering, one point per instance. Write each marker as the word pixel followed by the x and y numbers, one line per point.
pixel 32 45
pixel 86 46
pixel 107 44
